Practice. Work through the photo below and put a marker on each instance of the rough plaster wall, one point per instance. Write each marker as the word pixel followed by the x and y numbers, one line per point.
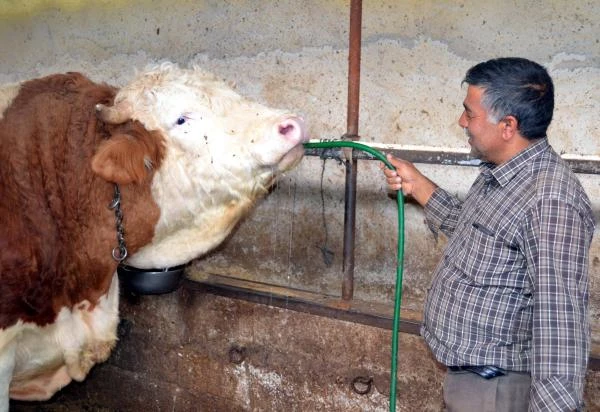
pixel 413 58
pixel 414 55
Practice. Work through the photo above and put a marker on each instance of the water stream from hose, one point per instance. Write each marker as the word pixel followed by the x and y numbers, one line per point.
pixel 400 255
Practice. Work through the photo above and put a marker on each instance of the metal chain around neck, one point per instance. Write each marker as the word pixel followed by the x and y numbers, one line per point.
pixel 119 253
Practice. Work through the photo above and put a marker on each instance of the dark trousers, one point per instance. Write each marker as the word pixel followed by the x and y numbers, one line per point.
pixel 467 392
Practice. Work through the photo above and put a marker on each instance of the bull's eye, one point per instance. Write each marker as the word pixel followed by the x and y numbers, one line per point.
pixel 181 120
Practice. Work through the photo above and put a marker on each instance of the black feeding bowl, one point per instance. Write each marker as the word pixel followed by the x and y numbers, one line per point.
pixel 150 281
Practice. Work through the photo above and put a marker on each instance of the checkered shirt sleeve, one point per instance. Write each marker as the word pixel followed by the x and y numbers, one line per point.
pixel 557 255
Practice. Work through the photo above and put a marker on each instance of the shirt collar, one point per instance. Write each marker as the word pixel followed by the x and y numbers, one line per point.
pixel 505 172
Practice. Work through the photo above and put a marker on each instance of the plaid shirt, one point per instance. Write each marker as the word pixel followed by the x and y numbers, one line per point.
pixel 511 289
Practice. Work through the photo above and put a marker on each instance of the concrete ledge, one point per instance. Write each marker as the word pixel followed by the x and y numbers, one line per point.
pixel 366 313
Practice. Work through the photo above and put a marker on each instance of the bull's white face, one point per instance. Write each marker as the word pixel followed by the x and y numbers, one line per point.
pixel 223 152
pixel 219 127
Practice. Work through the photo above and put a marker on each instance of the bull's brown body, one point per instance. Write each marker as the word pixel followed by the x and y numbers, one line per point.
pixel 57 232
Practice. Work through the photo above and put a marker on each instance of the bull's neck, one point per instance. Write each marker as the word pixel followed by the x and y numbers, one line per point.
pixel 140 215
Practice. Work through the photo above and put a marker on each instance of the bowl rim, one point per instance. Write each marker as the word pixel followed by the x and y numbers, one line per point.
pixel 166 270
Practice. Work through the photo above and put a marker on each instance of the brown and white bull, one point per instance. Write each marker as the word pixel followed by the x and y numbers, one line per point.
pixel 190 156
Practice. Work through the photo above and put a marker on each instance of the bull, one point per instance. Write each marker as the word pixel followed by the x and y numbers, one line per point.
pixel 190 157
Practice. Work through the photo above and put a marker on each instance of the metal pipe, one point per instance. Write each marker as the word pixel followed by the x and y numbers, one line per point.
pixel 351 134
pixel 579 164
pixel 354 68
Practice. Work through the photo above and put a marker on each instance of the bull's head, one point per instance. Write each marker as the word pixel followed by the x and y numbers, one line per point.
pixel 221 152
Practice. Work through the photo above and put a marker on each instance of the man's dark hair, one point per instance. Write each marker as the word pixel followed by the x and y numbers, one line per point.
pixel 517 87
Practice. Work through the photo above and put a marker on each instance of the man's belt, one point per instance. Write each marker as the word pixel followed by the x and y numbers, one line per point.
pixel 486 372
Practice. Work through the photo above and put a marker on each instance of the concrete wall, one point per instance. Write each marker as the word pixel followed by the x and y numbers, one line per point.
pixel 293 55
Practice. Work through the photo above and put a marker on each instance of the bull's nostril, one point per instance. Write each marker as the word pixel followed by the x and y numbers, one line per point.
pixel 291 129
pixel 286 129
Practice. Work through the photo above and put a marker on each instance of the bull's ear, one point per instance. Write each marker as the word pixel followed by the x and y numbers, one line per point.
pixel 121 159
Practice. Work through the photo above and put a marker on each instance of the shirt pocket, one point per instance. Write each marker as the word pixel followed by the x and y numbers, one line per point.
pixel 487 258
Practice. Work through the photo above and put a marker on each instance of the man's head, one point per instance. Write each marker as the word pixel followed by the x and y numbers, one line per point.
pixel 517 87
pixel 509 102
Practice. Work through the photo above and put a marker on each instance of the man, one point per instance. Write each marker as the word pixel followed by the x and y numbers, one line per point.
pixel 507 310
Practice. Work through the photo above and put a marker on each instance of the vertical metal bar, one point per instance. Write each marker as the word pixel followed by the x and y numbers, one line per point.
pixel 351 134
pixel 354 67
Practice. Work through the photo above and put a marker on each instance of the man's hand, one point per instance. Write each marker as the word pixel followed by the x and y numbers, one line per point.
pixel 407 178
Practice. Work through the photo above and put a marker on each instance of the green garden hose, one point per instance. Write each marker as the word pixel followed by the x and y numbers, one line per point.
pixel 400 256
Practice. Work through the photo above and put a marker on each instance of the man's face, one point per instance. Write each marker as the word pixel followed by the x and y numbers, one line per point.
pixel 484 136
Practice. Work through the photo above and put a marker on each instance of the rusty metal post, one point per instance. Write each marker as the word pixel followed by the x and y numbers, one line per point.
pixel 351 134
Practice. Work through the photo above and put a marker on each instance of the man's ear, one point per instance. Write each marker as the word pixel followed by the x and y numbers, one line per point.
pixel 510 127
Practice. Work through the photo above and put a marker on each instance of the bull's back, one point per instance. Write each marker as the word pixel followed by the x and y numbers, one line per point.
pixel 48 133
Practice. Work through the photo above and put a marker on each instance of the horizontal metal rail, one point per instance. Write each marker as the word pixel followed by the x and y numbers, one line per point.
pixel 356 311
pixel 579 164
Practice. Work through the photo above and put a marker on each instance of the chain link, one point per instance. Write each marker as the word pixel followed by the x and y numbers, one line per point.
pixel 119 253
